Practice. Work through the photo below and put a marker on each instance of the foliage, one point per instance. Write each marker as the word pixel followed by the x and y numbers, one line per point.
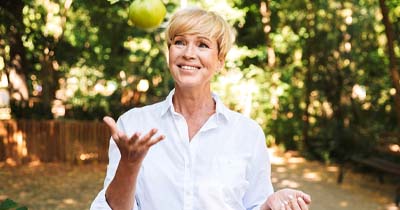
pixel 314 74
pixel 9 204
pixel 325 52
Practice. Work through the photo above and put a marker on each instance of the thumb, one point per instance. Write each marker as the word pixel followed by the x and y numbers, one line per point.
pixel 110 122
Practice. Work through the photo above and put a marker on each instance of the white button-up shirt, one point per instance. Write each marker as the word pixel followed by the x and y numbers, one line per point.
pixel 225 166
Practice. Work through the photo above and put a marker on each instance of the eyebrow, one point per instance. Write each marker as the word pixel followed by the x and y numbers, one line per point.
pixel 199 37
pixel 205 38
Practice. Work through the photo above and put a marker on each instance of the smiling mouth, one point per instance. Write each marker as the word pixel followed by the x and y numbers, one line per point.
pixel 191 68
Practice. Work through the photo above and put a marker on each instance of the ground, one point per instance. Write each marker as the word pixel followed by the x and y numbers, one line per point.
pixel 359 190
pixel 52 185
pixel 63 186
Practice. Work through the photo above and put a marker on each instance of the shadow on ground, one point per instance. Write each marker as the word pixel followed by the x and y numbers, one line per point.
pixel 359 191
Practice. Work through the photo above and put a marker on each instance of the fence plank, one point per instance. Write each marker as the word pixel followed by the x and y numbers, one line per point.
pixel 53 140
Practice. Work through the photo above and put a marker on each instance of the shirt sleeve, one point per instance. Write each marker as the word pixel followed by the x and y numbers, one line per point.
pixel 100 202
pixel 259 176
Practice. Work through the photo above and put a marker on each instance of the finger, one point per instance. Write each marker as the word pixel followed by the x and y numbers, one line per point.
pixel 135 137
pixel 156 140
pixel 110 122
pixel 282 207
pixel 123 137
pixel 273 204
pixel 146 138
pixel 306 198
pixel 302 204
pixel 287 205
pixel 293 203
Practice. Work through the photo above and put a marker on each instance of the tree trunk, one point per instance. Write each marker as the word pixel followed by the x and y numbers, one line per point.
pixel 394 71
pixel 266 20
pixel 49 79
pixel 49 74
pixel 308 86
pixel 16 66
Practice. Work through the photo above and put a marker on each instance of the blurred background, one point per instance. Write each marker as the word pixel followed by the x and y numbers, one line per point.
pixel 320 77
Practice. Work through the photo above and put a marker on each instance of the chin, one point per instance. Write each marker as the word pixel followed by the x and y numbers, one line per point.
pixel 186 86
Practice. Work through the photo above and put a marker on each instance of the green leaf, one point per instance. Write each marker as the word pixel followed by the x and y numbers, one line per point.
pixel 113 1
pixel 7 204
pixel 22 208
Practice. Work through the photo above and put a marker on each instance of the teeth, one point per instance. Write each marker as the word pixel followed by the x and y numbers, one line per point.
pixel 189 67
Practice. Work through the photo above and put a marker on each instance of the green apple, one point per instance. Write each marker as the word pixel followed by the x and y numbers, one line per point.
pixel 146 14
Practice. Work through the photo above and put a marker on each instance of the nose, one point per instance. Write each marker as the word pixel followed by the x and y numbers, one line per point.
pixel 189 52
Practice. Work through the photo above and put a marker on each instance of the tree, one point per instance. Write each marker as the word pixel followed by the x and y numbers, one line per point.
pixel 393 67
pixel 16 65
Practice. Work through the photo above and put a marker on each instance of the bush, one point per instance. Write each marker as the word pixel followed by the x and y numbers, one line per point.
pixel 9 204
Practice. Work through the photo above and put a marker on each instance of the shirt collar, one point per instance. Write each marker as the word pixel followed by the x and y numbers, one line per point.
pixel 167 103
pixel 221 109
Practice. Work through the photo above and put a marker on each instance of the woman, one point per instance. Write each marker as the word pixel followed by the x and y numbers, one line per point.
pixel 207 156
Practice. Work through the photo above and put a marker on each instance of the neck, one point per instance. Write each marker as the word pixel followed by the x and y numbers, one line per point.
pixel 188 102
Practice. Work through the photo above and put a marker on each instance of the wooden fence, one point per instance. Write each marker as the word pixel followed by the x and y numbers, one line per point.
pixel 53 140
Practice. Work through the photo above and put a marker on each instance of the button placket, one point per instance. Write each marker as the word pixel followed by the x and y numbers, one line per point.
pixel 182 128
pixel 188 182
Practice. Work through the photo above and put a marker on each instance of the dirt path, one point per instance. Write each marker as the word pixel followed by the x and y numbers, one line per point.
pixel 63 187
pixel 358 192
pixel 52 186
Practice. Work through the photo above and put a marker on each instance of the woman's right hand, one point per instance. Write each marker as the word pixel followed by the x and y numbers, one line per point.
pixel 133 149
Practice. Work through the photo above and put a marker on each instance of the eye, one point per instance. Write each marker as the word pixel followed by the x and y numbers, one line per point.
pixel 203 45
pixel 178 42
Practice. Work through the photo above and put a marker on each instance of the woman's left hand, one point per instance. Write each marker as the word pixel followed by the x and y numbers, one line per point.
pixel 287 199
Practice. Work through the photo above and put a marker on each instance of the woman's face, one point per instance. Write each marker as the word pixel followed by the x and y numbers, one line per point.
pixel 193 60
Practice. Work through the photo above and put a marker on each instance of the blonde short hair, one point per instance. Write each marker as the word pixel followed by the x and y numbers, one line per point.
pixel 199 21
